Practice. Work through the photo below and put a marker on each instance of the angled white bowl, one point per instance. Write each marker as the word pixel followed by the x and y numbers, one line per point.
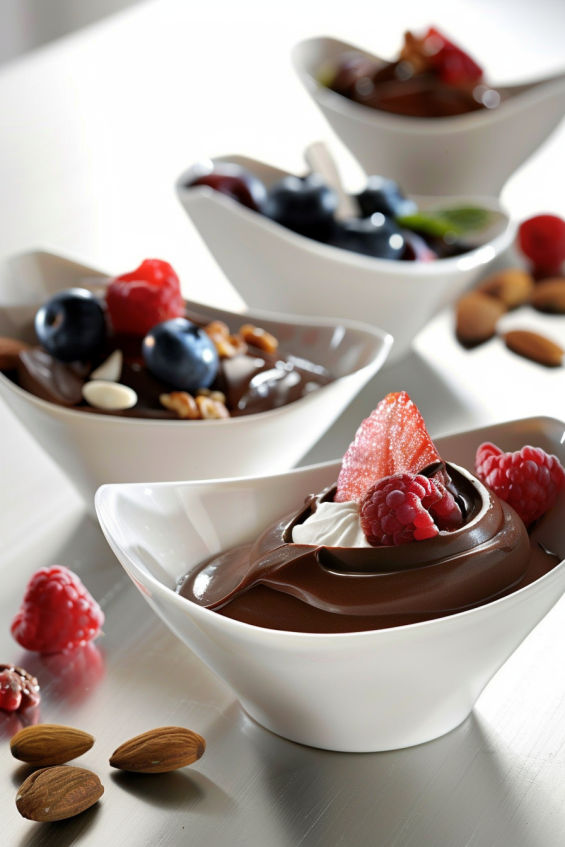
pixel 354 692
pixel 273 268
pixel 93 449
pixel 474 153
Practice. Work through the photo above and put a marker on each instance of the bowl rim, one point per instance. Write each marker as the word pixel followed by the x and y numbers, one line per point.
pixel 274 635
pixel 406 123
pixel 463 263
pixel 379 336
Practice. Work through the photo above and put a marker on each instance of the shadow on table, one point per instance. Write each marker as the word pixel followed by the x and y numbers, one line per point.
pixel 176 791
pixel 60 833
pixel 450 792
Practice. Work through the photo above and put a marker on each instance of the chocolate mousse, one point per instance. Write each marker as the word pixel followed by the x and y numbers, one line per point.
pixel 432 78
pixel 277 584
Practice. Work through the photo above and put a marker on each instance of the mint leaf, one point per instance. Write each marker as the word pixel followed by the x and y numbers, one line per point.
pixel 457 221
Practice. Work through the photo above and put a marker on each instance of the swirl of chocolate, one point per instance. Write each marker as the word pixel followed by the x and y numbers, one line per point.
pixel 451 572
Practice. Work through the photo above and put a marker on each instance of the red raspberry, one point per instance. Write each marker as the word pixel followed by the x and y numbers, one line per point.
pixel 57 612
pixel 139 300
pixel 529 480
pixel 10 691
pixel 450 62
pixel 542 239
pixel 407 507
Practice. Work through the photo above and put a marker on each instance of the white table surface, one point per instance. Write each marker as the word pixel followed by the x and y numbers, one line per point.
pixel 94 130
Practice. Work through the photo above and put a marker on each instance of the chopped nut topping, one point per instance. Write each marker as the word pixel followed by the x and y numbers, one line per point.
pixel 218 396
pixel 203 392
pixel 217 328
pixel 227 345
pixel 257 337
pixel 182 403
pixel 211 409
pixel 416 51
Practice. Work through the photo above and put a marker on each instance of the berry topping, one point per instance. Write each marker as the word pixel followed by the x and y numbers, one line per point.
pixel 384 196
pixel 304 205
pixel 181 354
pixel 450 62
pixel 376 236
pixel 542 240
pixel 529 480
pixel 139 300
pixel 57 612
pixel 393 439
pixel 71 325
pixel 234 181
pixel 19 690
pixel 407 507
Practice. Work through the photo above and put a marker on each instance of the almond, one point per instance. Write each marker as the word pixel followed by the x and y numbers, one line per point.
pixel 549 296
pixel 49 744
pixel 513 286
pixel 536 347
pixel 477 315
pixel 10 348
pixel 159 750
pixel 54 794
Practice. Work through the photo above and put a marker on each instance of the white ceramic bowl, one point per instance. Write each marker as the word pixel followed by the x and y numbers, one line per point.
pixel 276 269
pixel 354 692
pixel 93 449
pixel 474 153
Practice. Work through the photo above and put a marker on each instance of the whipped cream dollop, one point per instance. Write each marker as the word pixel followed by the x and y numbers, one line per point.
pixel 332 525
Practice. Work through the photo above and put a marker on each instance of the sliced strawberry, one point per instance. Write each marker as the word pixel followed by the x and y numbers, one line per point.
pixel 452 64
pixel 393 439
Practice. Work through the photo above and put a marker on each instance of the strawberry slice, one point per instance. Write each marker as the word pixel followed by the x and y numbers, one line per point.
pixel 449 61
pixel 392 440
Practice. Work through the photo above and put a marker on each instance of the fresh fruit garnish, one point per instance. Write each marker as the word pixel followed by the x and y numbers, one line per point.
pixel 139 300
pixel 384 196
pixel 453 221
pixel 71 325
pixel 236 182
pixel 452 64
pixel 542 240
pixel 529 480
pixel 407 507
pixel 304 205
pixel 393 439
pixel 376 236
pixel 57 612
pixel 181 354
pixel 19 690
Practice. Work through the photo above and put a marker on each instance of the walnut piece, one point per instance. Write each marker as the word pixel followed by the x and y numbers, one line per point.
pixel 182 403
pixel 257 337
pixel 211 409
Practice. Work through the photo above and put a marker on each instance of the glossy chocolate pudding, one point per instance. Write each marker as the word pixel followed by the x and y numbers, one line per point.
pixel 278 584
pixel 252 382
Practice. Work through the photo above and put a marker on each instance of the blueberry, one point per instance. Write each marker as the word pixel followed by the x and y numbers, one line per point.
pixel 305 206
pixel 71 325
pixel 375 236
pixel 384 196
pixel 181 354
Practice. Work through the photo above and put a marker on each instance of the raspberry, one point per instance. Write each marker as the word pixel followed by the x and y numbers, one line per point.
pixel 139 300
pixel 19 690
pixel 57 612
pixel 542 239
pixel 407 507
pixel 529 480
pixel 393 439
pixel 449 61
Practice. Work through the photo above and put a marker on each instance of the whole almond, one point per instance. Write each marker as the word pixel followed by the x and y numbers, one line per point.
pixel 159 750
pixel 54 794
pixel 536 347
pixel 49 744
pixel 549 296
pixel 513 286
pixel 10 348
pixel 477 315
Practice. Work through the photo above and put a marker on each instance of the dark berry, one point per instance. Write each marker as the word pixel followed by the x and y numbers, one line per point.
pixel 181 354
pixel 234 181
pixel 305 205
pixel 384 196
pixel 376 236
pixel 71 325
